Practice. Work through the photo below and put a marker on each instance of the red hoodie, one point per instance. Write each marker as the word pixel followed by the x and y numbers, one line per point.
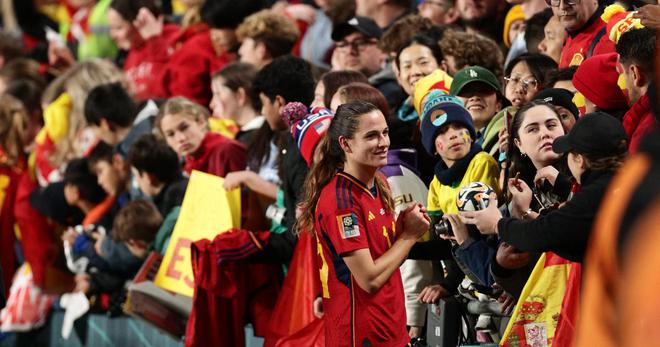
pixel 638 122
pixel 145 64
pixel 217 155
pixel 189 71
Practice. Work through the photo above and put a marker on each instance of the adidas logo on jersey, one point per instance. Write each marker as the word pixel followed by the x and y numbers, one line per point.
pixel 371 217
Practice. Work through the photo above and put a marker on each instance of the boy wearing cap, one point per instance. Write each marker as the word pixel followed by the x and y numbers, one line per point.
pixel 479 90
pixel 448 132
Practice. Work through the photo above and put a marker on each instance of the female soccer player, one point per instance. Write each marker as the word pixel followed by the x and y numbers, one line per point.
pixel 350 208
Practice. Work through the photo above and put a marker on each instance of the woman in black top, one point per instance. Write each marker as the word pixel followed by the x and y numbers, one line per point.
pixel 595 148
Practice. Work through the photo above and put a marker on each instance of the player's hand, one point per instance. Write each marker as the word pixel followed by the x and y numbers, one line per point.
pixel 415 222
pixel 486 219
pixel 433 293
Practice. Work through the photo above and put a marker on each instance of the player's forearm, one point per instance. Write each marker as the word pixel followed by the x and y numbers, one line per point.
pixel 388 263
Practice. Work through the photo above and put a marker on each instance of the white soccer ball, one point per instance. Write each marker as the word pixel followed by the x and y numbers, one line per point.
pixel 473 197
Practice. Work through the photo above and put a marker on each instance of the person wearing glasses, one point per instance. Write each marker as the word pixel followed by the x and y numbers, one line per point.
pixel 356 48
pixel 586 30
pixel 525 76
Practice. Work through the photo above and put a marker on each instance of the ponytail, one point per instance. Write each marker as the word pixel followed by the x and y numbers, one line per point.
pixel 344 123
pixel 320 174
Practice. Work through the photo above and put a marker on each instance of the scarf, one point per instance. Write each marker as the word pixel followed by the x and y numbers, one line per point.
pixel 448 175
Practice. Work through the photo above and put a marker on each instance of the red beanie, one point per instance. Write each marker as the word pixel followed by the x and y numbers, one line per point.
pixel 597 79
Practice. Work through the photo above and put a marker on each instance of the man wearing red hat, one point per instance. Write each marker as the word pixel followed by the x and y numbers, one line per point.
pixel 586 30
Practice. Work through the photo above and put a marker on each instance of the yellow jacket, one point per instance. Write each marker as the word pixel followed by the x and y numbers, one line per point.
pixel 442 198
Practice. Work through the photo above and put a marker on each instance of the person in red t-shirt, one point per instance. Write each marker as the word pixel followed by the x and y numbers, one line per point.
pixel 184 126
pixel 362 246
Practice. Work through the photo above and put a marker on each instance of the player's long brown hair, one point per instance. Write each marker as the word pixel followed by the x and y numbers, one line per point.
pixel 345 123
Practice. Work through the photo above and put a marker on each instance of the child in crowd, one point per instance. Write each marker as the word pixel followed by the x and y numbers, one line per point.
pixel 113 176
pixel 82 190
pixel 113 117
pixel 156 167
pixel 448 133
pixel 136 226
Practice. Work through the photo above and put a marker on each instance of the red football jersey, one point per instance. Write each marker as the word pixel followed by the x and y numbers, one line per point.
pixel 349 216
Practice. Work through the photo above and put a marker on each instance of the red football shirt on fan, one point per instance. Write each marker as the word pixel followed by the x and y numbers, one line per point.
pixel 350 216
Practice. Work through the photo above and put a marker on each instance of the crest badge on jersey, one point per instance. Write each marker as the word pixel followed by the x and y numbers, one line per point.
pixel 348 225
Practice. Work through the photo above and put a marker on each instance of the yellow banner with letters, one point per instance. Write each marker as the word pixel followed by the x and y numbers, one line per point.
pixel 207 210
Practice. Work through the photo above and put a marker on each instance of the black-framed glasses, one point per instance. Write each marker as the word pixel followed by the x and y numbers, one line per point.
pixel 556 3
pixel 526 83
pixel 358 45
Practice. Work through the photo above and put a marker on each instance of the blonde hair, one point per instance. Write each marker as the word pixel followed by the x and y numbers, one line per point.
pixel 273 30
pixel 78 81
pixel 181 106
pixel 13 124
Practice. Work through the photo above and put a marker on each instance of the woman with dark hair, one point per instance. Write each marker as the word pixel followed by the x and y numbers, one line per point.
pixel 529 160
pixel 136 26
pixel 533 130
pixel 419 57
pixel 234 99
pixel 525 76
pixel 350 208
pixel 333 80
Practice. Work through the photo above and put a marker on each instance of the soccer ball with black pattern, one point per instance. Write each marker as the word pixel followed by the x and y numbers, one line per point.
pixel 473 197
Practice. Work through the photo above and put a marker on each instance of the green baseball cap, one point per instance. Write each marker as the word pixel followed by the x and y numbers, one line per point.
pixel 473 74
